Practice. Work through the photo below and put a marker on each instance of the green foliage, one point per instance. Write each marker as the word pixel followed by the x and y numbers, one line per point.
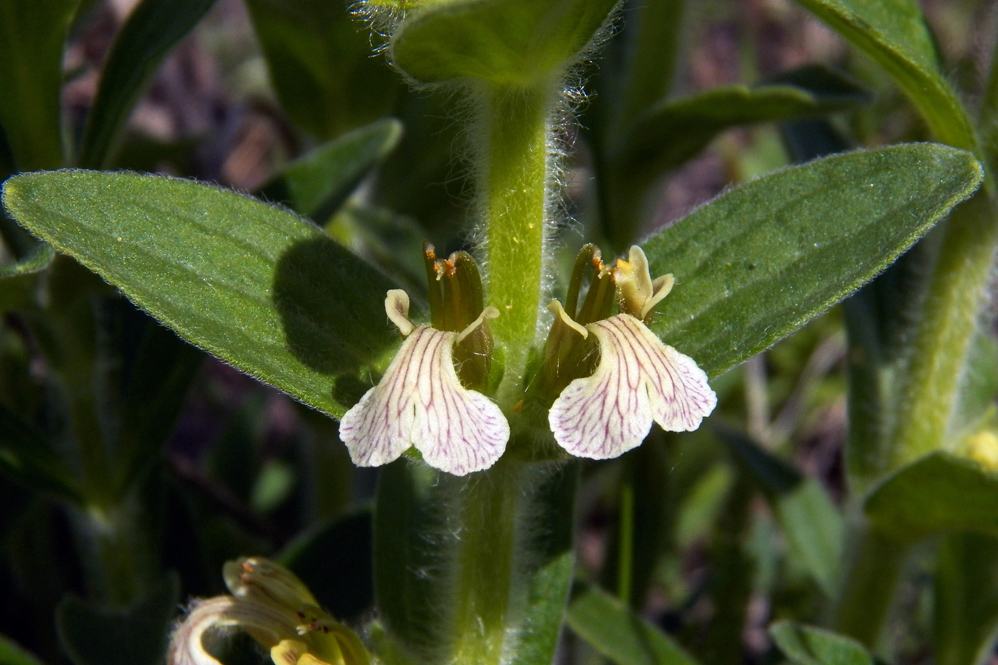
pixel 31 47
pixel 321 66
pixel 936 494
pixel 145 40
pixel 273 318
pixel 805 645
pixel 12 654
pixel 832 225
pixel 617 633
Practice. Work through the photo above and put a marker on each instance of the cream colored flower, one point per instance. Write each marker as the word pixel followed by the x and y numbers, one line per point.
pixel 420 402
pixel 273 607
pixel 639 380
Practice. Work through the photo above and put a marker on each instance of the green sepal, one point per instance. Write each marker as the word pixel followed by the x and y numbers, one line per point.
pixel 516 43
pixel 764 259
pixel 252 284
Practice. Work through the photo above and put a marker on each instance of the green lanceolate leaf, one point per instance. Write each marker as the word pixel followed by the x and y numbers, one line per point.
pixel 937 493
pixel 31 45
pixel 672 132
pixel 249 283
pixel 316 184
pixel 893 32
pixel 965 617
pixel 804 645
pixel 148 36
pixel 619 634
pixel 810 521
pixel 763 259
pixel 508 42
pixel 320 64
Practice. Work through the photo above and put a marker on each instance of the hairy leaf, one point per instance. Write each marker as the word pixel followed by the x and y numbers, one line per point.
pixel 764 259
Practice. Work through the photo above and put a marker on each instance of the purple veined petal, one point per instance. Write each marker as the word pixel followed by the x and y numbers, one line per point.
pixel 639 380
pixel 420 402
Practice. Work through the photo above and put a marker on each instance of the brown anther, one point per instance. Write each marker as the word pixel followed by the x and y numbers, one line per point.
pixel 301 615
pixel 449 268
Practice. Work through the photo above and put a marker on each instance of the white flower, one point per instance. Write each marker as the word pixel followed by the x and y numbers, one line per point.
pixel 420 402
pixel 639 380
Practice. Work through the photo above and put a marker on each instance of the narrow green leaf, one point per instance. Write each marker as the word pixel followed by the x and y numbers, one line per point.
pixel 317 184
pixel 11 653
pixel 152 30
pixel 32 36
pixel 136 636
pixel 805 645
pixel 672 132
pixel 508 42
pixel 249 283
pixel 810 521
pixel 935 494
pixel 320 65
pixel 763 259
pixel 619 634
pixel 28 457
pixel 965 617
pixel 893 32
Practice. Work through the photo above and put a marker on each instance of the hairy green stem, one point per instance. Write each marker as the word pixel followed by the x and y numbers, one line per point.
pixel 474 569
pixel 513 127
pixel 936 363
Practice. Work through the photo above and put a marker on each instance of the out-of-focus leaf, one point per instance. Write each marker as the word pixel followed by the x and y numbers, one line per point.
pixel 32 36
pixel 763 259
pixel 672 132
pixel 619 634
pixel 965 619
pixel 26 456
pixel 11 653
pixel 317 184
pixel 136 636
pixel 334 561
pixel 810 521
pixel 36 261
pixel 804 645
pixel 893 32
pixel 506 42
pixel 320 64
pixel 249 283
pixel 422 560
pixel 980 382
pixel 935 494
pixel 152 30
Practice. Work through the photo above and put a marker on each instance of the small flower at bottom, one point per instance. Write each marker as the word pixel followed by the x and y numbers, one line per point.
pixel 273 607
pixel 420 402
